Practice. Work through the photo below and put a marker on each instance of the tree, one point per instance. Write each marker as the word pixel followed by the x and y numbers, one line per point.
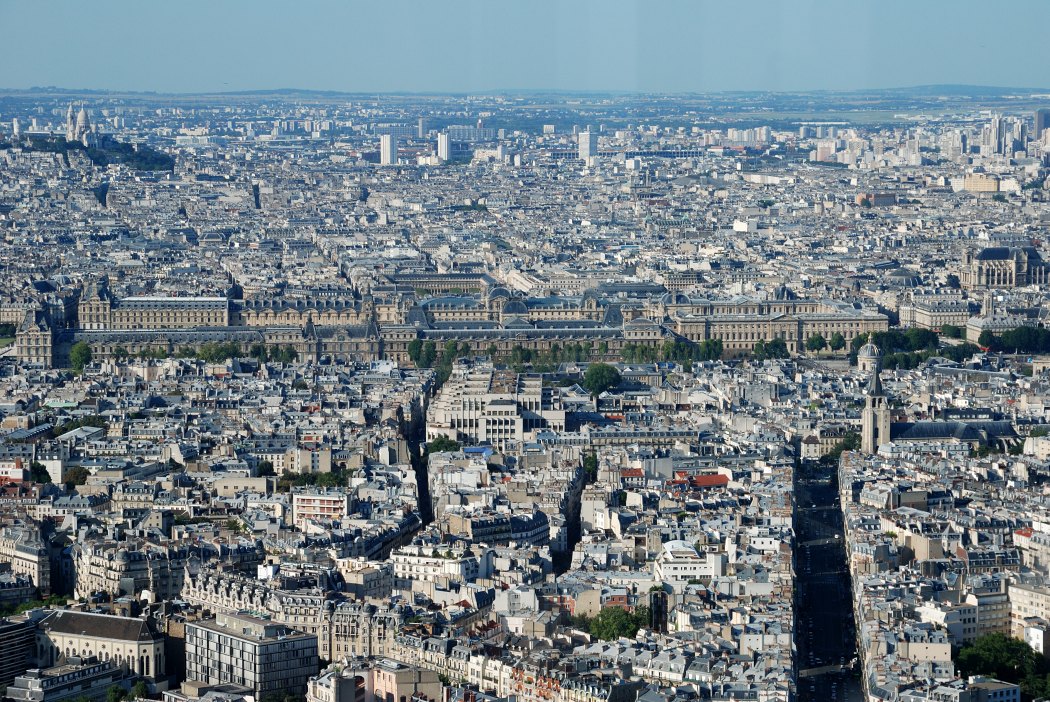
pixel 710 350
pixel 76 475
pixel 428 354
pixel 442 444
pixel 283 354
pixel 590 466
pixel 1012 660
pixel 837 342
pixel 816 342
pixel 916 339
pixel 336 478
pixel 115 693
pixel 951 331
pixel 850 442
pixel 120 353
pixel 952 281
pixel 615 622
pixel 600 377
pixel 80 355
pixel 415 349
pixel 987 339
pixel 777 348
pixel 38 473
pixel 140 690
pixel 266 469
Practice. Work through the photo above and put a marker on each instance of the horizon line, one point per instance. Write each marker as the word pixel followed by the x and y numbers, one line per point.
pixel 931 87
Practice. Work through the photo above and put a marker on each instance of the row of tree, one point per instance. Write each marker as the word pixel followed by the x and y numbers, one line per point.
pixel 775 348
pixel 427 354
pixel 817 342
pixel 336 478
pixel 897 341
pixel 913 359
pixel 676 350
pixel 52 601
pixel 1018 340
pixel 81 353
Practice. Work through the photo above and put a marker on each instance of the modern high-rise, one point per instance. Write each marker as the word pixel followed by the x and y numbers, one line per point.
pixel 252 652
pixel 387 150
pixel 444 146
pixel 1042 122
pixel 588 142
pixel 421 130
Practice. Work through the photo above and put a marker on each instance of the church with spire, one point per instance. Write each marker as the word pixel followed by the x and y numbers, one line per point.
pixel 875 419
pixel 878 429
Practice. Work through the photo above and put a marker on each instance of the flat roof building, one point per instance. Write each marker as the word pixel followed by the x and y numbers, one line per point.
pixel 250 651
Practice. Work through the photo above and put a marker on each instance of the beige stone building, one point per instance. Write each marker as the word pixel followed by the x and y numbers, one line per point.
pixel 935 311
pixel 343 629
pixel 131 642
pixel 35 340
pixel 25 551
pixel 100 310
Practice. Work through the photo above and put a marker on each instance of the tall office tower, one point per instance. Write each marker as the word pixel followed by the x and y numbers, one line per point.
pixel 998 134
pixel 387 150
pixel 1042 122
pixel 588 142
pixel 421 130
pixel 444 146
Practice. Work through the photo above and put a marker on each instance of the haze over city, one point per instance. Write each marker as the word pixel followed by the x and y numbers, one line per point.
pixel 477 46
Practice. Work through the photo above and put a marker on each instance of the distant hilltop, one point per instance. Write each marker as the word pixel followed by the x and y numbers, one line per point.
pixel 103 151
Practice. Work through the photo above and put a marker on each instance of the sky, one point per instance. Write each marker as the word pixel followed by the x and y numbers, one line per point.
pixel 473 46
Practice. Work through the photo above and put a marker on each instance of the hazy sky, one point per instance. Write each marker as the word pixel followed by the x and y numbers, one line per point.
pixel 487 45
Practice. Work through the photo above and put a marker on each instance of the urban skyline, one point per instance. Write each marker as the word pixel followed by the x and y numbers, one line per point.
pixel 545 352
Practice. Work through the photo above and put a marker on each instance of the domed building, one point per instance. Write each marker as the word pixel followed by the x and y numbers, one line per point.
pixel 903 278
pixel 80 128
pixel 868 357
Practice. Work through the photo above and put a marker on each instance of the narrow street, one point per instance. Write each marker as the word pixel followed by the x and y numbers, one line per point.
pixel 824 636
